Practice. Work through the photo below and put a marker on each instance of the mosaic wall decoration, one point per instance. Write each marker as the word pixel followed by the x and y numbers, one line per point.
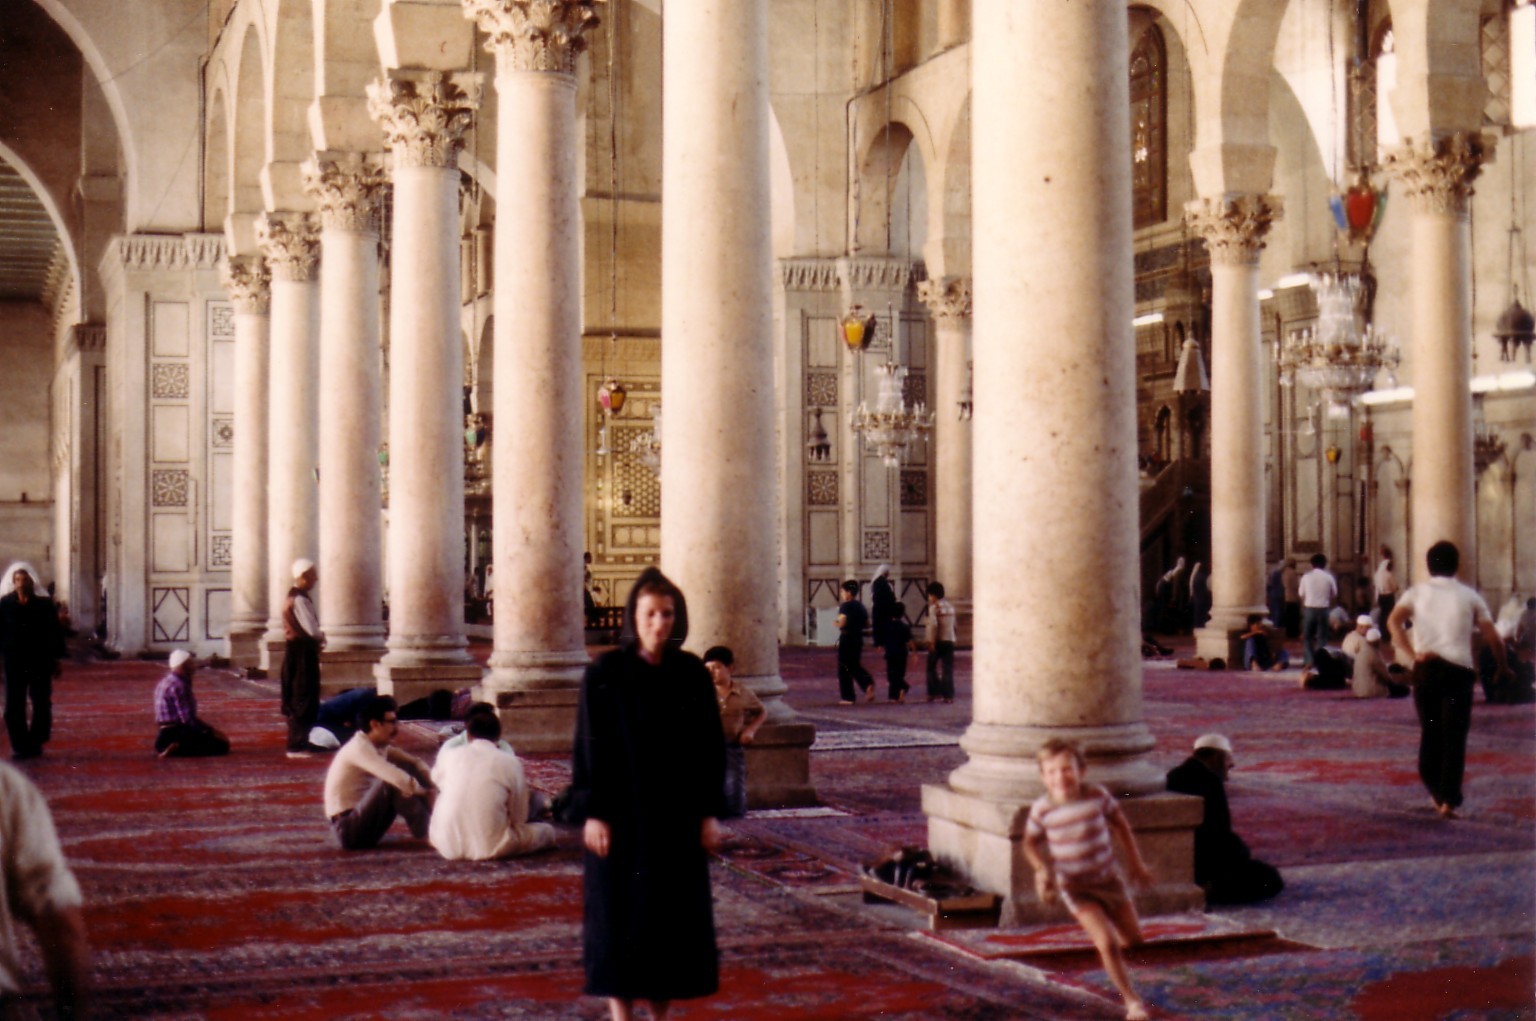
pixel 169 486
pixel 221 321
pixel 172 616
pixel 821 488
pixel 631 477
pixel 821 390
pixel 223 432
pixel 914 487
pixel 877 544
pixel 221 551
pixel 171 380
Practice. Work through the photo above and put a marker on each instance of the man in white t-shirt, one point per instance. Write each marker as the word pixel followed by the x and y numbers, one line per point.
pixel 1445 613
pixel 1318 591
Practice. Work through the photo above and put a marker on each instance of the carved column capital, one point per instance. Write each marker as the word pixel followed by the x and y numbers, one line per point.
pixel 424 114
pixel 1234 226
pixel 248 282
pixel 346 186
pixel 946 297
pixel 534 35
pixel 291 244
pixel 1438 176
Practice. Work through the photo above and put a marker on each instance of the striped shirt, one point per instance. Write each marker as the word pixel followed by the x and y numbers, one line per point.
pixel 1077 833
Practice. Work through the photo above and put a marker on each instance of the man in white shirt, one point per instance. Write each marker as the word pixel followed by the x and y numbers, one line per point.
pixel 1318 591
pixel 1445 613
pixel 482 804
pixel 371 781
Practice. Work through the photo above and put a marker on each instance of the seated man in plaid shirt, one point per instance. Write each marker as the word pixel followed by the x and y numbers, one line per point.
pixel 181 733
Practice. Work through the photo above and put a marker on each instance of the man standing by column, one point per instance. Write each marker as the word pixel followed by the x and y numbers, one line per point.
pixel 301 659
pixel 1318 591
pixel 31 644
pixel 1444 613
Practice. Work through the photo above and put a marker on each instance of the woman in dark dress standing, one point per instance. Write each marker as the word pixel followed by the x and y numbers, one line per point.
pixel 647 779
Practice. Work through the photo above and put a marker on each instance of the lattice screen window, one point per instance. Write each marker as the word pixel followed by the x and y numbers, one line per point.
pixel 1496 69
pixel 1149 129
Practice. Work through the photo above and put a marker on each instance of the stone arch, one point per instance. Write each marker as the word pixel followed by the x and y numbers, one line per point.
pixel 892 176
pixel 949 232
pixel 1440 85
pixel 290 91
pixel 247 147
pixel 218 156
pixel 40 192
pixel 781 190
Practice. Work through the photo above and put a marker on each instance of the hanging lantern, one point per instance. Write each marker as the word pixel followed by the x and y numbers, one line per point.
pixel 1357 212
pixel 858 329
pixel 819 446
pixel 1515 329
pixel 611 396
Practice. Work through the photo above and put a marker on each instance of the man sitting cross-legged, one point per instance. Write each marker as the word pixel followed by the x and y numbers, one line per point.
pixel 371 781
pixel 482 804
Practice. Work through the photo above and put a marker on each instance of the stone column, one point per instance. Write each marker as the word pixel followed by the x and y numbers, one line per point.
pixel 291 245
pixel 424 115
pixel 1234 227
pixel 346 188
pixel 949 301
pixel 248 282
pixel 538 535
pixel 717 372
pixel 1056 512
pixel 1438 181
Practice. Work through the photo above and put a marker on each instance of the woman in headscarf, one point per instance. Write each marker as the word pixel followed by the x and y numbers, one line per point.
pixel 882 603
pixel 646 781
pixel 31 647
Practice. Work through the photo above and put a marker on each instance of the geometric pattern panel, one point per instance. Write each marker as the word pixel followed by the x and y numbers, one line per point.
pixel 221 320
pixel 223 433
pixel 171 380
pixel 221 550
pixel 821 488
pixel 914 488
pixel 914 389
pixel 821 390
pixel 172 616
pixel 877 544
pixel 170 486
pixel 637 490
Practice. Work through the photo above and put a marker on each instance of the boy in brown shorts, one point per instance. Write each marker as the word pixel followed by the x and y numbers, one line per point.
pixel 1067 841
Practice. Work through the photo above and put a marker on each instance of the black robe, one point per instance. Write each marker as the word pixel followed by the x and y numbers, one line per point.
pixel 649 761
pixel 1223 864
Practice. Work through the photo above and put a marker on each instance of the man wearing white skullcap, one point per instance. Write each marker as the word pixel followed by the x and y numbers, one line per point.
pixel 182 733
pixel 301 659
pixel 1224 866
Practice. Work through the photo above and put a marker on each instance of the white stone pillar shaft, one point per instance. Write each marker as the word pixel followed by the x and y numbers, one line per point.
pixel 1234 227
pixel 1438 182
pixel 538 535
pixel 248 282
pixel 291 246
pixel 949 300
pixel 424 115
pixel 347 187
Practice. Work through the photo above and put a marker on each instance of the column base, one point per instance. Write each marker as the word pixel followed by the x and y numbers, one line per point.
pixel 536 720
pixel 408 682
pixel 982 841
pixel 273 651
pixel 779 766
pixel 243 648
pixel 341 669
pixel 1219 639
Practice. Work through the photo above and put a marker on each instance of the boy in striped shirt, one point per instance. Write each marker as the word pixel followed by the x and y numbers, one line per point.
pixel 1068 844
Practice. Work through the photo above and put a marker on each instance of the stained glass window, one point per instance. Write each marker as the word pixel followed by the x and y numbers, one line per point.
pixel 1149 129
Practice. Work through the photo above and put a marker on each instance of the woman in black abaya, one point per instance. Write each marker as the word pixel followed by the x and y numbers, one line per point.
pixel 647 779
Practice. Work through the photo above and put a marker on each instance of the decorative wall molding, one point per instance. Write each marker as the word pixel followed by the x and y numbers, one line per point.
pixel 89 336
pixel 534 35
pixel 347 188
pixel 870 273
pixel 808 274
pixel 424 114
pixel 1234 226
pixel 291 244
pixel 169 251
pixel 1438 177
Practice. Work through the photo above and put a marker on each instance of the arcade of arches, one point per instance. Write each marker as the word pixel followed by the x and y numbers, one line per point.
pixel 343 280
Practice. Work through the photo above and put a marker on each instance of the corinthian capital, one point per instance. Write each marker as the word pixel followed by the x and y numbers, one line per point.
pixel 248 282
pixel 1438 176
pixel 291 243
pixel 424 114
pixel 946 297
pixel 1233 226
pixel 346 187
pixel 534 35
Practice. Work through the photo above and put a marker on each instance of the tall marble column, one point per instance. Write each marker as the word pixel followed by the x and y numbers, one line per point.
pixel 717 364
pixel 1056 512
pixel 248 282
pixel 424 115
pixel 1234 227
pixel 346 188
pixel 949 301
pixel 538 535
pixel 291 245
pixel 1437 179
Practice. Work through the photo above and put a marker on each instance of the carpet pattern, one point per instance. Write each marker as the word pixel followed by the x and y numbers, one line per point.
pixel 214 890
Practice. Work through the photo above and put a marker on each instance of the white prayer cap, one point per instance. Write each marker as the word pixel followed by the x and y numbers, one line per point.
pixel 302 566
pixel 179 657
pixel 1364 620
pixel 1373 636
pixel 881 571
pixel 1217 741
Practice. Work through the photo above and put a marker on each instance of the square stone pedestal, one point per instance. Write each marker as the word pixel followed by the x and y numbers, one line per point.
pixel 273 652
pixel 537 720
pixel 408 683
pixel 982 841
pixel 779 766
pixel 1225 644
pixel 243 649
pixel 343 669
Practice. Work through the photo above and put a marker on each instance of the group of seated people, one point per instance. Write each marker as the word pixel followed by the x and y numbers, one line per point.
pixel 1358 664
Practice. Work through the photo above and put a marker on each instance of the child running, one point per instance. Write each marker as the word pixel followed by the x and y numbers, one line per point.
pixel 1073 821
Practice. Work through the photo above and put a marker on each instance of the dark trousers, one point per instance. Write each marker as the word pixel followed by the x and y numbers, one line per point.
pixel 301 690
pixel 196 740
pixel 1442 696
pixel 941 670
pixel 1244 882
pixel 735 782
pixel 360 828
pixel 1314 632
pixel 849 670
pixel 896 674
pixel 24 681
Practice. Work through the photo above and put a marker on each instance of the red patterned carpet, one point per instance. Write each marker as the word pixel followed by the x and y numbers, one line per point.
pixel 214 890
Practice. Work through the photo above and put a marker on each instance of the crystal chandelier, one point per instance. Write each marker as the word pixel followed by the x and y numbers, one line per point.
pixel 1339 356
pixel 647 445
pixel 891 427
